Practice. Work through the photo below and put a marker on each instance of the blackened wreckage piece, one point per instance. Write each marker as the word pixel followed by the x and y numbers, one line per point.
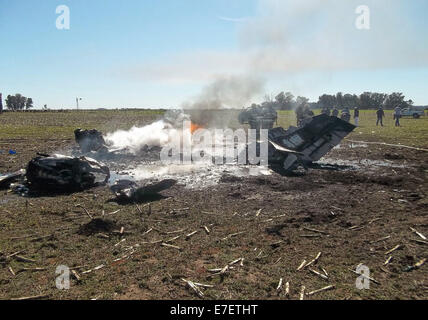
pixel 9 178
pixel 59 173
pixel 90 140
pixel 297 146
pixel 129 191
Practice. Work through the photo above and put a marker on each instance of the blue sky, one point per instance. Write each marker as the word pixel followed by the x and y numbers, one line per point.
pixel 141 53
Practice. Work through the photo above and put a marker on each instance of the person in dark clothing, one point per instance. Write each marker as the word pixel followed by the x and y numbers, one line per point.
pixel 397 116
pixel 335 112
pixel 1 103
pixel 380 115
pixel 356 116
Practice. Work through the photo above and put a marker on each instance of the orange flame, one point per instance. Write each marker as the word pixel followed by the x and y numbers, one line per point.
pixel 194 127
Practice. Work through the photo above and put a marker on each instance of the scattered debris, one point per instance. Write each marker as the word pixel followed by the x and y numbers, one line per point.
pixel 42 296
pixel 287 289
pixel 319 274
pixel 301 265
pixel 9 178
pixel 315 230
pixel 418 233
pixel 90 140
pixel 188 236
pixel 163 244
pixel 331 287
pixel 194 287
pixel 398 246
pixel 59 173
pixel 314 261
pixel 94 269
pixel 279 288
pixel 302 293
pixel 97 225
pixel 129 191
pixel 364 276
pixel 416 265
pixel 388 261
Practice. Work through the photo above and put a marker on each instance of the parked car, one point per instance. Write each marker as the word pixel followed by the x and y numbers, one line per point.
pixel 411 112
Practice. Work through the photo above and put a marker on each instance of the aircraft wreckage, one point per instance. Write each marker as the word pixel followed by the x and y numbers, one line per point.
pixel 297 146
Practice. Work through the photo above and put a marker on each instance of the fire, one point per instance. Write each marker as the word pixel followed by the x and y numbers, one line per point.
pixel 194 127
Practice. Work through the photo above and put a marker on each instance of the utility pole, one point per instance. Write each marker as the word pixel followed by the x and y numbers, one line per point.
pixel 77 102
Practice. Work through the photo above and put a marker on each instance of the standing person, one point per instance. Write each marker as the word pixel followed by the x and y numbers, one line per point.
pixel 397 116
pixel 356 116
pixel 380 115
pixel 1 103
pixel 335 112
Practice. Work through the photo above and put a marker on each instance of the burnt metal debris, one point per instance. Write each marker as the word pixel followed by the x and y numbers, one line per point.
pixel 90 140
pixel 298 146
pixel 59 173
pixel 129 191
pixel 259 117
pixel 9 178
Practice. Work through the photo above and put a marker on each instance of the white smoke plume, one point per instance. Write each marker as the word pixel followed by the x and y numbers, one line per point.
pixel 227 92
pixel 156 134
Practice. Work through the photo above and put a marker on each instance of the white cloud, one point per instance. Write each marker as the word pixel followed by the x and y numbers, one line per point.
pixel 288 37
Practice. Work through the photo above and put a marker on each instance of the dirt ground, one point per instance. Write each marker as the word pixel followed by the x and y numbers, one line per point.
pixel 352 216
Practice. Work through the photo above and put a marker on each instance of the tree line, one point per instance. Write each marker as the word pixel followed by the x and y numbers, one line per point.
pixel 18 102
pixel 366 100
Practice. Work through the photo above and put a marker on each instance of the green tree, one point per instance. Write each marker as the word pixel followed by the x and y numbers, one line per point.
pixel 18 102
pixel 29 104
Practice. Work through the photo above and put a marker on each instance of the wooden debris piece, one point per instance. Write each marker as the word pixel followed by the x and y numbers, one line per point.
pixel 188 236
pixel 381 239
pixel 42 296
pixel 388 261
pixel 314 261
pixel 364 276
pixel 325 272
pixel 163 244
pixel 86 211
pixel 279 287
pixel 206 229
pixel 398 246
pixel 319 274
pixel 191 285
pixel 287 289
pixel 203 285
pixel 315 230
pixel 31 269
pixel 301 265
pixel 14 254
pixel 124 239
pixel 235 261
pixel 11 271
pixel 418 233
pixel 321 290
pixel 76 275
pixel 302 293
pixel 24 259
pixel 176 231
pixel 419 241
pixel 416 265
pixel 172 239
pixel 232 235
pixel 147 232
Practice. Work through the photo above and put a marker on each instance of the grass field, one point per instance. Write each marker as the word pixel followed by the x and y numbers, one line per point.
pixel 61 125
pixel 359 215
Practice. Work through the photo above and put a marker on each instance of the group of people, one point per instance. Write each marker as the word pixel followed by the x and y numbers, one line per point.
pixel 346 115
pixel 381 114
